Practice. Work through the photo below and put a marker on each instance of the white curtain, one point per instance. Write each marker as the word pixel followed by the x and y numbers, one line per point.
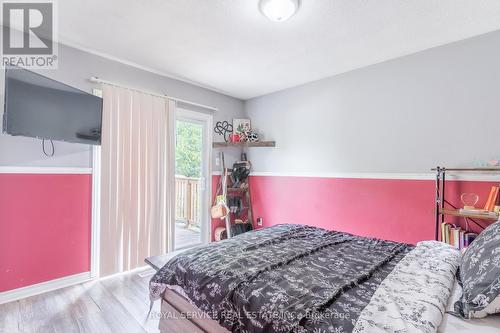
pixel 137 178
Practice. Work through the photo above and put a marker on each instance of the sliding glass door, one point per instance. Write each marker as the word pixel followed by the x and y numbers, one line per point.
pixel 192 178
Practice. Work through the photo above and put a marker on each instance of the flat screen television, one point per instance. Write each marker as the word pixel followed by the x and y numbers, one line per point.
pixel 39 107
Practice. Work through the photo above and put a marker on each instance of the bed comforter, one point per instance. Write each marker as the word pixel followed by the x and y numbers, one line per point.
pixel 295 278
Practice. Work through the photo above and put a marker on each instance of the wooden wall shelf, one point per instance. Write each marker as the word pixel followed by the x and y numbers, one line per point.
pixel 244 144
pixel 456 212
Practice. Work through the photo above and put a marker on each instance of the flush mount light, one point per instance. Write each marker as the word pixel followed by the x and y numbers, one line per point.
pixel 279 10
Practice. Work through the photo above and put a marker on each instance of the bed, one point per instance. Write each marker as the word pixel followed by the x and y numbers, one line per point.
pixel 295 278
pixel 453 324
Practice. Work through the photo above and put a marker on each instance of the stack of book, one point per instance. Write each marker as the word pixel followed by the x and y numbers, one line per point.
pixel 456 236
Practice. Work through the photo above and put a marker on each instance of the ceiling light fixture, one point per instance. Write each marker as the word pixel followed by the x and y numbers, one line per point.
pixel 279 10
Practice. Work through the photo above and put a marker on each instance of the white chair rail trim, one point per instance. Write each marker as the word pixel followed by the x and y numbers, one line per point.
pixel 44 170
pixel 378 175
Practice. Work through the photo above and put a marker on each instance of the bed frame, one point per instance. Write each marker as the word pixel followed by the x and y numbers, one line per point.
pixel 180 316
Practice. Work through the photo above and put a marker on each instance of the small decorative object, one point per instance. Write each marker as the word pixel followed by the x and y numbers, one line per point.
pixel 246 134
pixel 235 137
pixel 223 128
pixel 469 200
pixel 240 126
pixel 220 233
pixel 220 209
pixel 493 163
pixel 253 137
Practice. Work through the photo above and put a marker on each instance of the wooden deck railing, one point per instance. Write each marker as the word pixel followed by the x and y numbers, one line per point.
pixel 187 199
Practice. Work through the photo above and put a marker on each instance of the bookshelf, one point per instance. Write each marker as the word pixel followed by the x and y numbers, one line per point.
pixel 442 210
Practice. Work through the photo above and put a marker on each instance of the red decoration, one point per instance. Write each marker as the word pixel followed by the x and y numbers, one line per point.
pixel 234 138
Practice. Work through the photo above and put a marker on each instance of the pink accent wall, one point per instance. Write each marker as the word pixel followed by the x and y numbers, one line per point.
pixel 399 210
pixel 45 227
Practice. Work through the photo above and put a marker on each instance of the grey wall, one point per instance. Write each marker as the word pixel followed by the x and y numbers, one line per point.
pixel 437 107
pixel 75 68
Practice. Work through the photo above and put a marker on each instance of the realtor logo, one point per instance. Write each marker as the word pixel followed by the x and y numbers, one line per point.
pixel 28 34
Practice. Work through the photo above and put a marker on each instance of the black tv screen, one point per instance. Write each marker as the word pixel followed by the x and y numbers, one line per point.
pixel 39 107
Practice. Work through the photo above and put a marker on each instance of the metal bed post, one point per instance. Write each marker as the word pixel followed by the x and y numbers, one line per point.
pixel 438 200
pixel 443 200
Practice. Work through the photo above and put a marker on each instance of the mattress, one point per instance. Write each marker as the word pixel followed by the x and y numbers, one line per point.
pixel 452 324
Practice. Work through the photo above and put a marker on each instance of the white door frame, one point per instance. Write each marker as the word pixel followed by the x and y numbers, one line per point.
pixel 95 243
pixel 206 120
pixel 95 231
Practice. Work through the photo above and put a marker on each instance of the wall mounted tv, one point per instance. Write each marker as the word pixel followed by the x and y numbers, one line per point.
pixel 39 107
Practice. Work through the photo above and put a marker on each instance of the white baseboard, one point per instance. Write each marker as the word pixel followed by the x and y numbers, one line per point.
pixel 40 288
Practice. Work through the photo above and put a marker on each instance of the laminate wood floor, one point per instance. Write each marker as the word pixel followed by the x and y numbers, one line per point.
pixel 116 304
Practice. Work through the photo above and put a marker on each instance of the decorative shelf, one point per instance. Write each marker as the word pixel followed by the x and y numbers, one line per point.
pixel 488 169
pixel 244 144
pixel 456 212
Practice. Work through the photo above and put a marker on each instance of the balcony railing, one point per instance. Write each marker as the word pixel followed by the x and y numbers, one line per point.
pixel 187 200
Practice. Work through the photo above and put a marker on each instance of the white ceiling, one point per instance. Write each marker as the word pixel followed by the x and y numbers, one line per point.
pixel 229 46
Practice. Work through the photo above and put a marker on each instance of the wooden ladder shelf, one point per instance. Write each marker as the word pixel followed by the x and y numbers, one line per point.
pixel 226 189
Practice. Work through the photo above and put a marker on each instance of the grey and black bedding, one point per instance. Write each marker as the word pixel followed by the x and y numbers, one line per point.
pixel 295 278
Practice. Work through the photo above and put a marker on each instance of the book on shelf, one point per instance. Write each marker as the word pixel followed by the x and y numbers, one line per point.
pixel 469 237
pixel 492 198
pixel 456 236
pixel 462 238
pixel 445 232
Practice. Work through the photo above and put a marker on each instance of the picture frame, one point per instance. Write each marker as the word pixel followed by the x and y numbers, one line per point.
pixel 240 126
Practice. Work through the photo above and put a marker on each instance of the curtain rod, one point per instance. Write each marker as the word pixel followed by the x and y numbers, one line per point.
pixel 95 79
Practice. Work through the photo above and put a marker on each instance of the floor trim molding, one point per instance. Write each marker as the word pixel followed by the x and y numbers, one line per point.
pixel 40 288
